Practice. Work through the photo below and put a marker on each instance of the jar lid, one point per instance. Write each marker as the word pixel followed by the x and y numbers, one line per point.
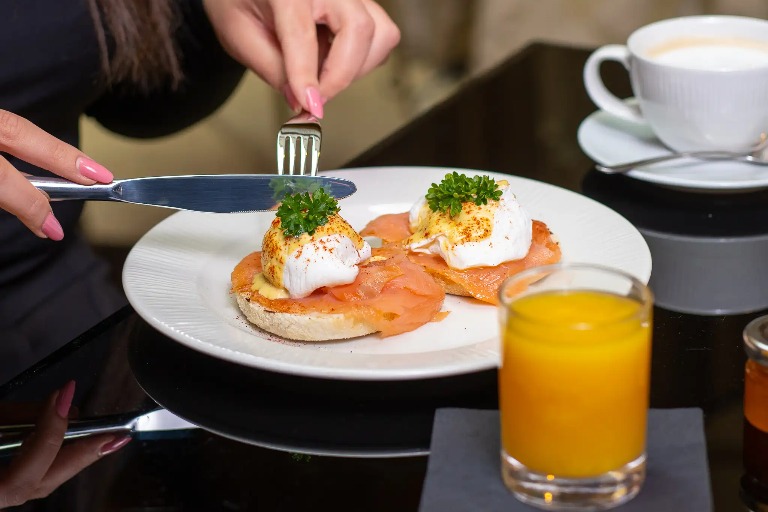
pixel 756 339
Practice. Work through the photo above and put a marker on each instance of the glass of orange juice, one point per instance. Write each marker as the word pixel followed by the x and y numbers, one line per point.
pixel 574 385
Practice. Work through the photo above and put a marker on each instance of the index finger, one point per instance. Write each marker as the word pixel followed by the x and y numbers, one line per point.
pixel 295 28
pixel 25 140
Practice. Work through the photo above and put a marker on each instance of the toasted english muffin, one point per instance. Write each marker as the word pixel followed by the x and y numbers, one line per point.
pixel 310 326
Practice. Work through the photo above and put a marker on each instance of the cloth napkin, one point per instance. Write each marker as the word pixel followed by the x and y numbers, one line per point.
pixel 463 472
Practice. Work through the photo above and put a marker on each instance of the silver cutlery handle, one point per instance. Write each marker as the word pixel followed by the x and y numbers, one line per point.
pixel 12 436
pixel 703 155
pixel 60 189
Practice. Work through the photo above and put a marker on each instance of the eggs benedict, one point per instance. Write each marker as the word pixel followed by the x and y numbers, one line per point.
pixel 470 234
pixel 315 278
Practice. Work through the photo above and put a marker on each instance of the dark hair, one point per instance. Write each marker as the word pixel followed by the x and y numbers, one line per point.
pixel 136 40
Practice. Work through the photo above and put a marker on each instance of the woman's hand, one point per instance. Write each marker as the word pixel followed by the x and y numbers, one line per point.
pixel 42 464
pixel 24 140
pixel 309 50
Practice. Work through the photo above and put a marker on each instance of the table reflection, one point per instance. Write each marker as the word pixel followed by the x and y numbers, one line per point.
pixel 754 482
pixel 378 419
pixel 707 249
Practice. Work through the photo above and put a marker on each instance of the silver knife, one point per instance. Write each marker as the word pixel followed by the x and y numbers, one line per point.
pixel 218 193
pixel 159 420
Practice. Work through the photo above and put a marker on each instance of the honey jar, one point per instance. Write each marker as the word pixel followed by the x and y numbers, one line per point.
pixel 756 406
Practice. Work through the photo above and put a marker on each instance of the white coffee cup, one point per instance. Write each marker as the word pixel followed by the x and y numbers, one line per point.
pixel 701 82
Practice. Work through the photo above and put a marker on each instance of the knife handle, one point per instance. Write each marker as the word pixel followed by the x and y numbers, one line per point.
pixel 11 436
pixel 61 189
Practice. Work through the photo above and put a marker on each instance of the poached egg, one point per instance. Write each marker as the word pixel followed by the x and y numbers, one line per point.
pixel 302 264
pixel 480 235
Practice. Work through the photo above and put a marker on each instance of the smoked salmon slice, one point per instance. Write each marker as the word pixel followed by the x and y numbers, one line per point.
pixel 390 227
pixel 393 294
pixel 482 283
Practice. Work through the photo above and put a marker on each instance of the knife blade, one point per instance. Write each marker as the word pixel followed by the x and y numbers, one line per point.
pixel 217 193
pixel 159 420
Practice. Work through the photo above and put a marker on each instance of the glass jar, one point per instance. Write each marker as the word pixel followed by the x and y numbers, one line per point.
pixel 756 406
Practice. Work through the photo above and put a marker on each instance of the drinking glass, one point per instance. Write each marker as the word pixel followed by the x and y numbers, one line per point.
pixel 574 385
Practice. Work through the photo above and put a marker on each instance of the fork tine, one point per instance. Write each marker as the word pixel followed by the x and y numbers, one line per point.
pixel 280 153
pixel 315 155
pixel 291 155
pixel 304 149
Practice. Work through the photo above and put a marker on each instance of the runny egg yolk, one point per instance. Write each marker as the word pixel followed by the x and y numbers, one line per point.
pixel 277 248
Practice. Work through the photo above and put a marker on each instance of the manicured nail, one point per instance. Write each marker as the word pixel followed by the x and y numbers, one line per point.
pixel 315 102
pixel 51 228
pixel 64 399
pixel 92 170
pixel 114 445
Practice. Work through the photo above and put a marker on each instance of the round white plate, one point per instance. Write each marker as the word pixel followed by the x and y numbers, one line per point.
pixel 177 277
pixel 609 141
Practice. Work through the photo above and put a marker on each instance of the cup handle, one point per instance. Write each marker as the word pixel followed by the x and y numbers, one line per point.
pixel 596 89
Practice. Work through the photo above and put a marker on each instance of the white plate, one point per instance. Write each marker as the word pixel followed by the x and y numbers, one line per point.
pixel 609 141
pixel 177 277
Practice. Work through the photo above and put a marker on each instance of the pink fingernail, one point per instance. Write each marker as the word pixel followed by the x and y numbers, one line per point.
pixel 51 228
pixel 315 102
pixel 114 445
pixel 64 399
pixel 93 170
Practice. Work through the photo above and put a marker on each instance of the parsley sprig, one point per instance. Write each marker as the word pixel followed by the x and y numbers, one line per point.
pixel 304 213
pixel 456 189
pixel 282 186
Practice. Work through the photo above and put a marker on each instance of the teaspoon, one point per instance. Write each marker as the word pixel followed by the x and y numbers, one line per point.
pixel 754 157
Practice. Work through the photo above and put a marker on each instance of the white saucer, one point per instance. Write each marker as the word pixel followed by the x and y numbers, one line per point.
pixel 609 141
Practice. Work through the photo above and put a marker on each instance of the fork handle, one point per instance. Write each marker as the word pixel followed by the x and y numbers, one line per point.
pixel 702 155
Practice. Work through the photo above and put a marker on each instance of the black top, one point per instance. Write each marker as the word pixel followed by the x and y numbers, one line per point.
pixel 50 74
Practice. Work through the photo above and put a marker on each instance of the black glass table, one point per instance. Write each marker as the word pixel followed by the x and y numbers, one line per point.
pixel 279 442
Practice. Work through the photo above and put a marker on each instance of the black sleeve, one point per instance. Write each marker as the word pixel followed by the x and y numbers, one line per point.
pixel 210 78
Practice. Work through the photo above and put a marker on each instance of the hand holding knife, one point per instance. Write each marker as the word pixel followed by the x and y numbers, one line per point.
pixel 159 420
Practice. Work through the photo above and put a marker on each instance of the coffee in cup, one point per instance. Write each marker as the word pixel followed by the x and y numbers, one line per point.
pixel 701 82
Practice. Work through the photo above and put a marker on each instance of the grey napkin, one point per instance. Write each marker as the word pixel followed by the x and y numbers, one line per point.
pixel 463 472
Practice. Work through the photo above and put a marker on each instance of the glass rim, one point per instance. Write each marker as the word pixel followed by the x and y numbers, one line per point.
pixel 756 340
pixel 646 295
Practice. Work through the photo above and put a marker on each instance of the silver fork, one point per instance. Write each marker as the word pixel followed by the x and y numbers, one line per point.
pixel 301 134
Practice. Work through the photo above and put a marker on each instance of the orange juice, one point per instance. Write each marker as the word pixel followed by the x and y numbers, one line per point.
pixel 573 382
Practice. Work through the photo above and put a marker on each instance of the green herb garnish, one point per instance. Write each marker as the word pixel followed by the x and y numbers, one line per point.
pixel 283 186
pixel 304 213
pixel 456 189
